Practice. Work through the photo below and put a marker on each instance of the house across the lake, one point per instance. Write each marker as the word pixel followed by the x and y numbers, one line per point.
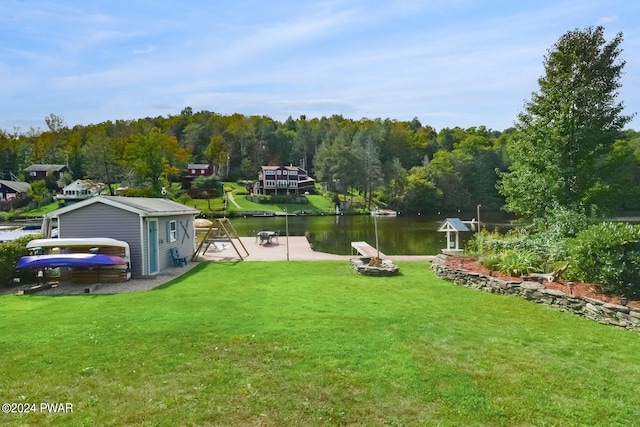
pixel 283 180
pixel 81 189
pixel 10 190
pixel 37 172
pixel 195 170
pixel 151 227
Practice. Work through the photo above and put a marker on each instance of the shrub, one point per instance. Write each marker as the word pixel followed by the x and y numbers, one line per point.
pixel 518 263
pixel 607 254
pixel 184 198
pixel 259 198
pixel 492 262
pixel 10 254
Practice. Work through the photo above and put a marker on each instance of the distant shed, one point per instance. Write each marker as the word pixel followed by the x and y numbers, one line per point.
pixel 151 226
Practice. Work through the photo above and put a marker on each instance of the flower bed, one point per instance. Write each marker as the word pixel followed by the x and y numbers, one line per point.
pixel 578 289
pixel 470 275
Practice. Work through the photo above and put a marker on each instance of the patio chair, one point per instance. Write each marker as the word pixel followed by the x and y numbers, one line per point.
pixel 178 261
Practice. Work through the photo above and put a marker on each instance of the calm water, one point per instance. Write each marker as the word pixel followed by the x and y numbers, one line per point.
pixel 401 235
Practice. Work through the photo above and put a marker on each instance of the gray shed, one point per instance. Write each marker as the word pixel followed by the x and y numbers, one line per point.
pixel 151 226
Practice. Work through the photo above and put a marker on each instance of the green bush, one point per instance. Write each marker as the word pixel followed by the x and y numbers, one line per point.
pixel 518 263
pixel 607 254
pixel 259 198
pixel 10 254
pixel 492 262
pixel 546 237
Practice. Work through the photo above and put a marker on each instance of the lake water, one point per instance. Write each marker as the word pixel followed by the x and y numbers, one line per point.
pixel 401 235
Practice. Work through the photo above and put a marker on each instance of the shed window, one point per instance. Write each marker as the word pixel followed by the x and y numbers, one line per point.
pixel 173 229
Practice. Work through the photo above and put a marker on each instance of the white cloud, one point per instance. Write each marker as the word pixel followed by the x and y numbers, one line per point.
pixel 453 62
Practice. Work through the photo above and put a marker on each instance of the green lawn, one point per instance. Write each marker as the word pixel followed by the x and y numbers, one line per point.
pixel 41 211
pixel 312 343
pixel 316 202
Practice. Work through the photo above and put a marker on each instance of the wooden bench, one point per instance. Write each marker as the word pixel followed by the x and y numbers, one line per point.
pixel 549 277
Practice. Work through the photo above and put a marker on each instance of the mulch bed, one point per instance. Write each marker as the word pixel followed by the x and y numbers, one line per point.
pixel 579 289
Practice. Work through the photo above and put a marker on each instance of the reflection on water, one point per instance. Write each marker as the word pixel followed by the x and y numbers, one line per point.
pixel 401 235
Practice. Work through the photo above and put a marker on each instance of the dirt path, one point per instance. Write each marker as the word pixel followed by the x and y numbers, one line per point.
pixel 232 200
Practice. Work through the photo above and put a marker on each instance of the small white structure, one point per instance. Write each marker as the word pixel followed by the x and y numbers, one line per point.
pixel 453 226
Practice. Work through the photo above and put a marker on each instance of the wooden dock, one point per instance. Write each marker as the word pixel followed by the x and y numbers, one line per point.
pixel 365 249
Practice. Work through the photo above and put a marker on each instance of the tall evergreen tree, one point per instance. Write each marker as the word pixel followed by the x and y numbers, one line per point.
pixel 567 127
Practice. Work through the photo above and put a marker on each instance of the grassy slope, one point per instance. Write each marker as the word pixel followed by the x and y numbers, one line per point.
pixel 41 211
pixel 316 202
pixel 312 343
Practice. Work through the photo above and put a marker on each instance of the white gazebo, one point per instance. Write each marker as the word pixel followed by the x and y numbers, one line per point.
pixel 453 226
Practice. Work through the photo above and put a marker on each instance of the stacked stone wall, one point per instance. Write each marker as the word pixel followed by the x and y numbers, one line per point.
pixel 386 267
pixel 606 313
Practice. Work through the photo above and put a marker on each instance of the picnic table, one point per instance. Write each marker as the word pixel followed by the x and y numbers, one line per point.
pixel 266 236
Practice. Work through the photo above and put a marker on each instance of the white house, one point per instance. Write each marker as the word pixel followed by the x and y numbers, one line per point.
pixel 81 189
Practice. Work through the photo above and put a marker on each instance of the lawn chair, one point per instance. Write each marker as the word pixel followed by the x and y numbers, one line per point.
pixel 178 261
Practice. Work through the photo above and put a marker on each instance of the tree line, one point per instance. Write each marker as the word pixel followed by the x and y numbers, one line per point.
pixel 569 140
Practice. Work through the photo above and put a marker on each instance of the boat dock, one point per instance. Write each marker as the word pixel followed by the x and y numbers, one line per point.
pixel 299 250
pixel 365 249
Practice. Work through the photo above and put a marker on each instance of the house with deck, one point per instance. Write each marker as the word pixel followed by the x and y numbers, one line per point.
pixel 283 180
pixel 151 226
pixel 81 189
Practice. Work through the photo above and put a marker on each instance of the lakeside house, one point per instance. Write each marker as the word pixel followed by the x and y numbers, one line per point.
pixel 195 170
pixel 10 190
pixel 81 189
pixel 283 180
pixel 151 227
pixel 37 172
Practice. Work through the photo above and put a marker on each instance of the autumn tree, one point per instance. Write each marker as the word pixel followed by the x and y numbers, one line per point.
pixel 568 127
pixel 154 154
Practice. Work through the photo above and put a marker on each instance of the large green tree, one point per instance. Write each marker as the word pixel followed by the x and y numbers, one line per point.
pixel 101 160
pixel 154 155
pixel 568 127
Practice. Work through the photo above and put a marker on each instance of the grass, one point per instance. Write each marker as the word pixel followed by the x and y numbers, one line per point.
pixel 215 204
pixel 312 343
pixel 41 211
pixel 316 202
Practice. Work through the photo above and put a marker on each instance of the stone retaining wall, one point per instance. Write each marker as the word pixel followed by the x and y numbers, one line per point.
pixel 606 313
pixel 361 266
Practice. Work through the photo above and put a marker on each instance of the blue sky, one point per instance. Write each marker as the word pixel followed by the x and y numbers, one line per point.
pixel 449 63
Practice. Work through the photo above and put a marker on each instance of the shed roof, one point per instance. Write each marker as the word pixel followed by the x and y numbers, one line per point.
pixel 143 206
pixel 85 184
pixel 198 166
pixel 45 168
pixel 18 186
pixel 453 224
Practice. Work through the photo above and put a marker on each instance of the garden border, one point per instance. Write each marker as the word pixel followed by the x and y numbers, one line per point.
pixel 602 312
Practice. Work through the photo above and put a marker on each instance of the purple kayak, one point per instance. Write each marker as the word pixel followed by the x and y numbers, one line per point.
pixel 69 260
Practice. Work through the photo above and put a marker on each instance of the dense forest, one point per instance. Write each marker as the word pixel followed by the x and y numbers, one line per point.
pixel 405 164
pixel 568 147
